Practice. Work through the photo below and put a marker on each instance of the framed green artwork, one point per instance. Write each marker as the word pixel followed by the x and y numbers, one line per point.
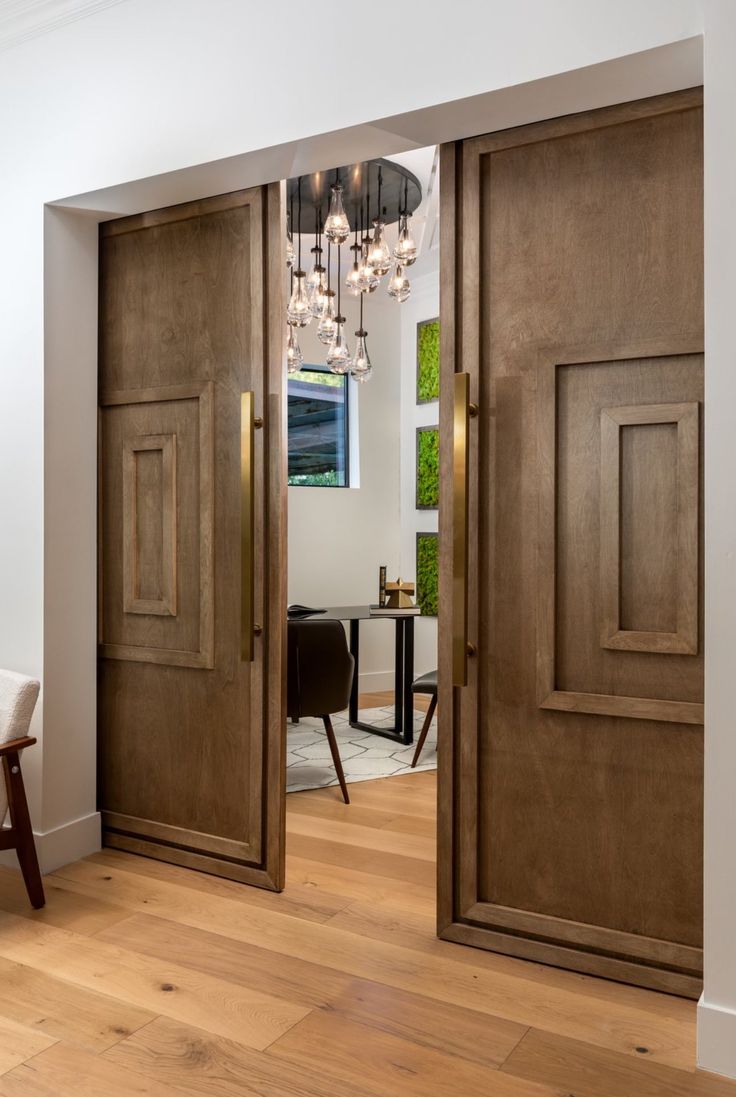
pixel 428 468
pixel 427 573
pixel 428 361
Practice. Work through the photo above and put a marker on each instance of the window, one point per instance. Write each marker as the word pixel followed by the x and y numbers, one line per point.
pixel 318 429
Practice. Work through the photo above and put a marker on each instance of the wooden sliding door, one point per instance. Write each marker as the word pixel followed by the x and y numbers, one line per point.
pixel 192 535
pixel 571 624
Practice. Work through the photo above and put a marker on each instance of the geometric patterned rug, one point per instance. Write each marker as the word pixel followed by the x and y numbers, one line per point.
pixel 365 757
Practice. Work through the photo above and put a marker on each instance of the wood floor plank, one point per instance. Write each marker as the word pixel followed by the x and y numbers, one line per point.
pixel 388 1064
pixel 428 1023
pixel 70 1072
pixel 299 981
pixel 376 862
pixel 354 885
pixel 246 1015
pixel 83 914
pixel 568 1012
pixel 580 1069
pixel 352 834
pixel 19 1042
pixel 301 901
pixel 62 1011
pixel 195 1062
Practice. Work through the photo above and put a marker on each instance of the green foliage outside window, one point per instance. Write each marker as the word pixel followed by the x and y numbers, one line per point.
pixel 428 361
pixel 428 468
pixel 427 573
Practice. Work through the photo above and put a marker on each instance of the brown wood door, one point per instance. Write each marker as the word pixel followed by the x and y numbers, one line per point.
pixel 192 535
pixel 571 760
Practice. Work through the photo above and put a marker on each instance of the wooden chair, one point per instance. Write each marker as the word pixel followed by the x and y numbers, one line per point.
pixel 18 696
pixel 426 684
pixel 319 678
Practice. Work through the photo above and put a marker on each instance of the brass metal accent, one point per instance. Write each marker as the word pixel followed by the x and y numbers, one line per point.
pixel 471 649
pixel 257 630
pixel 472 410
pixel 247 517
pixel 460 530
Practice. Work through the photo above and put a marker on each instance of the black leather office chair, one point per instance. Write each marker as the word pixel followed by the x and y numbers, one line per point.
pixel 319 678
pixel 426 684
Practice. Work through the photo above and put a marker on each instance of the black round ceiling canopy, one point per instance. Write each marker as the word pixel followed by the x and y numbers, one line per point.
pixel 401 192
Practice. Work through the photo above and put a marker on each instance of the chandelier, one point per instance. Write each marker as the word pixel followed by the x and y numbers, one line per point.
pixel 377 193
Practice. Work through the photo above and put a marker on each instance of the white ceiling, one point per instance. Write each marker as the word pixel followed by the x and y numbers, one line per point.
pixel 23 19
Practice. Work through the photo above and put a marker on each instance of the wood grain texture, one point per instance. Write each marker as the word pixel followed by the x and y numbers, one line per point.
pixel 379 1004
pixel 572 777
pixel 191 737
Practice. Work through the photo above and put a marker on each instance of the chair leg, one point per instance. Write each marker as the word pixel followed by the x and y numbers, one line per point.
pixel 21 823
pixel 336 757
pixel 425 729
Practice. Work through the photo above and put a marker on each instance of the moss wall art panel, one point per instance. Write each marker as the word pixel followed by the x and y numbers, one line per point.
pixel 428 361
pixel 428 468
pixel 428 573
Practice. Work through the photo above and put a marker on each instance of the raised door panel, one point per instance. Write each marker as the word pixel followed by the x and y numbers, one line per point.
pixel 157 526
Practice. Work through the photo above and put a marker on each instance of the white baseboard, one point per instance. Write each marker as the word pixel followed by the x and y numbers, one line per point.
pixel 63 844
pixel 376 681
pixel 716 1038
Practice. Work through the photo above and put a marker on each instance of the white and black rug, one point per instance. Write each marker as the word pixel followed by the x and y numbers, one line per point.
pixel 365 757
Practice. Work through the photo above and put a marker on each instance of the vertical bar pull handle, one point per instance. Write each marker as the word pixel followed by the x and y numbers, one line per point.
pixel 247 533
pixel 461 418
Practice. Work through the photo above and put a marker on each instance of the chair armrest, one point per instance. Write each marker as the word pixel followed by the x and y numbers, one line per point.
pixel 14 745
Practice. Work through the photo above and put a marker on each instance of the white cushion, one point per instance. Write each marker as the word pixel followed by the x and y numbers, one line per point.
pixel 18 696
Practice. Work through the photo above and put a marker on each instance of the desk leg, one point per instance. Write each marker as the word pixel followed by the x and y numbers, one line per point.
pixel 399 680
pixel 355 652
pixel 408 697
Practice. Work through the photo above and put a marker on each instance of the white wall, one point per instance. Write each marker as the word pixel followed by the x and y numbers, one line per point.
pixel 156 101
pixel 717 1010
pixel 424 304
pixel 338 537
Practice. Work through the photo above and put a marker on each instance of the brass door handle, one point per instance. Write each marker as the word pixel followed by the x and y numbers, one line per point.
pixel 247 530
pixel 463 410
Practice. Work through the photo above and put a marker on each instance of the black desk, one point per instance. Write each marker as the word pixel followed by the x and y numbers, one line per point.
pixel 403 730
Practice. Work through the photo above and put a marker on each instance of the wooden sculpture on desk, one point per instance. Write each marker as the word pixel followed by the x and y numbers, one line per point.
pixel 399 595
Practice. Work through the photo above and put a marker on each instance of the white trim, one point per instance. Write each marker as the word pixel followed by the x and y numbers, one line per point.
pixel 716 1038
pixel 24 19
pixel 376 681
pixel 63 844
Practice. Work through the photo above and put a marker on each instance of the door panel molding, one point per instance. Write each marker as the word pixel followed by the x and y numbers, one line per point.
pixel 165 602
pixel 167 605
pixel 685 417
pixel 549 693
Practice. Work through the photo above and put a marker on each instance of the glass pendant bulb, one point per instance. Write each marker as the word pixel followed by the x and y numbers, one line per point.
pixel 316 274
pixel 294 356
pixel 297 312
pixel 338 356
pixel 360 365
pixel 405 251
pixel 318 297
pixel 367 277
pixel 326 326
pixel 337 227
pixel 352 282
pixel 399 286
pixel 379 254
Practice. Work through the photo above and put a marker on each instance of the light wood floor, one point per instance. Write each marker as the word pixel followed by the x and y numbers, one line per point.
pixel 139 978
